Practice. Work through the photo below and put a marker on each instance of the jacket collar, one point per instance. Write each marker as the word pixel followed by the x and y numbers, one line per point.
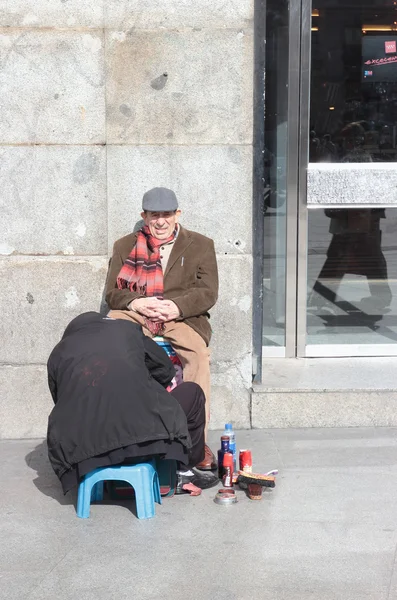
pixel 182 242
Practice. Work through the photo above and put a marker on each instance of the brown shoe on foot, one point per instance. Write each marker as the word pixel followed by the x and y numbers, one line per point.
pixel 209 463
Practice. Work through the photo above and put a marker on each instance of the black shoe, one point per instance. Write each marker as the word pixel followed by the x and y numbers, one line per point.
pixel 198 478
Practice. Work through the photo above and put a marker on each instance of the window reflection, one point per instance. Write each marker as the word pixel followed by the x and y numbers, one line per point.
pixel 354 81
pixel 352 267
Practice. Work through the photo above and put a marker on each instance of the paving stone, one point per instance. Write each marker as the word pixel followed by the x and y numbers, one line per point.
pixel 231 318
pixel 324 532
pixel 53 200
pixel 155 14
pixel 230 398
pixel 348 408
pixel 179 87
pixel 41 13
pixel 52 86
pixel 212 183
pixel 47 293
pixel 25 402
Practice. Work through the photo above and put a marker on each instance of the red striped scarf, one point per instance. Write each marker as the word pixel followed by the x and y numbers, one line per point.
pixel 142 271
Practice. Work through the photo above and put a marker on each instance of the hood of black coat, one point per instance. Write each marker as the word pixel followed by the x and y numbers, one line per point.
pixel 82 321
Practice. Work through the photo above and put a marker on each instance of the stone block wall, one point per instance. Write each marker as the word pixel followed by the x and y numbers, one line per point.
pixel 101 101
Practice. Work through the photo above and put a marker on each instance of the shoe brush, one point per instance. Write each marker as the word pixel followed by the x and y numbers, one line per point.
pixel 244 479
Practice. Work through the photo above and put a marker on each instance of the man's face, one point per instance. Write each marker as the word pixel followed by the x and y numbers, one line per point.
pixel 161 224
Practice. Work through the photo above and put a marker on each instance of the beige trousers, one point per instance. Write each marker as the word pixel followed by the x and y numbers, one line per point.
pixel 192 350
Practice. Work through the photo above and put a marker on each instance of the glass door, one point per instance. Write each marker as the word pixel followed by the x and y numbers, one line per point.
pixel 275 154
pixel 347 289
pixel 279 179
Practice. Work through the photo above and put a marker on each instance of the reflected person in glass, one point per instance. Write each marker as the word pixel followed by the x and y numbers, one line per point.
pixel 356 244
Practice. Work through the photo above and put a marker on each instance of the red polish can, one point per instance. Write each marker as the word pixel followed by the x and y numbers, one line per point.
pixel 228 470
pixel 245 461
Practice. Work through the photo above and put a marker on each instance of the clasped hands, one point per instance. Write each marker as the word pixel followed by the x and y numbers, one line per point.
pixel 155 309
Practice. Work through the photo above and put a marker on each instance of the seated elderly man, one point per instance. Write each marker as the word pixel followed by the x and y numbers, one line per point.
pixel 165 278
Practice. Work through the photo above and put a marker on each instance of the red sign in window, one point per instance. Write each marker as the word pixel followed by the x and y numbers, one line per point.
pixel 390 47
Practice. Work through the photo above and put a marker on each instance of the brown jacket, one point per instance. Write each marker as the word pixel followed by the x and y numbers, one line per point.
pixel 190 279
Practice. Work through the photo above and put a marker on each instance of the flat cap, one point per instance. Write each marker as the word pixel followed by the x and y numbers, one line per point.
pixel 159 199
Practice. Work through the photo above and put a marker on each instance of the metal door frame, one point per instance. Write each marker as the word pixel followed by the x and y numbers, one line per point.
pixel 302 217
pixel 294 109
pixel 297 161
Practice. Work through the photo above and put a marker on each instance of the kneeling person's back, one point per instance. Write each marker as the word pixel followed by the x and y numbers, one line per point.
pixel 107 380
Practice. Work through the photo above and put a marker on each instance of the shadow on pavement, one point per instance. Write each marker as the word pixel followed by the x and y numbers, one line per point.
pixel 46 481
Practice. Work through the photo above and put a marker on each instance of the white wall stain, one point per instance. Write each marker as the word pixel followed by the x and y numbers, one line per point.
pixel 98 264
pixel 71 21
pixel 240 35
pixel 244 367
pixel 5 40
pixel 239 245
pixel 91 43
pixel 244 303
pixel 6 249
pixel 80 230
pixel 69 250
pixel 118 36
pixel 72 299
pixel 30 19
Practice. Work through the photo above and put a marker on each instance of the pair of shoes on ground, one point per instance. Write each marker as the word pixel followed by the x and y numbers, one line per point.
pixel 193 481
pixel 201 476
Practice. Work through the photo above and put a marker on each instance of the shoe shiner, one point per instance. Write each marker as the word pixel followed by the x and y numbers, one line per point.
pixel 108 381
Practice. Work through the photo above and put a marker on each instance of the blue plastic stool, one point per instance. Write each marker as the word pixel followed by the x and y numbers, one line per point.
pixel 142 477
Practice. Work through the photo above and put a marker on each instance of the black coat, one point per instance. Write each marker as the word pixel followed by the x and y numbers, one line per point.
pixel 106 379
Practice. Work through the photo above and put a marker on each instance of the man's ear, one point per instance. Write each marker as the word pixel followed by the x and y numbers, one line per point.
pixel 143 214
pixel 178 214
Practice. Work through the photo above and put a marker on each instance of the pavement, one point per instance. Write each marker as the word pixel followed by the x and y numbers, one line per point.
pixel 328 531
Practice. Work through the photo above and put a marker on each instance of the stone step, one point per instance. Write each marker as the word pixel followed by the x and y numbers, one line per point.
pixel 326 392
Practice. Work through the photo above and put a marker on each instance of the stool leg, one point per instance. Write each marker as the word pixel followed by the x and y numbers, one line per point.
pixel 97 492
pixel 144 504
pixel 144 495
pixel 84 499
pixel 156 489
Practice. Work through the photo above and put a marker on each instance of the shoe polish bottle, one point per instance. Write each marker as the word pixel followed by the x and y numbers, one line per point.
pixel 232 443
pixel 228 470
pixel 224 448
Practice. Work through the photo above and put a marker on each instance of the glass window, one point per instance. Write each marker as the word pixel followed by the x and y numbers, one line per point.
pixel 275 184
pixel 352 271
pixel 354 81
